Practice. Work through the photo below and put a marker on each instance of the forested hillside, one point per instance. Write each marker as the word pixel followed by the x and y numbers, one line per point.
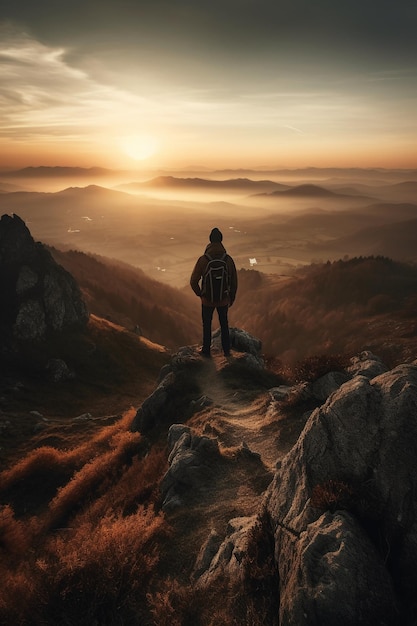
pixel 343 307
pixel 125 295
pixel 339 307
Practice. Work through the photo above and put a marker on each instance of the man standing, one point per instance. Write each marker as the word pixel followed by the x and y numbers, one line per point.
pixel 217 290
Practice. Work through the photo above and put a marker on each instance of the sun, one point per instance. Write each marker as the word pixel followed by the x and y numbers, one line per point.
pixel 139 146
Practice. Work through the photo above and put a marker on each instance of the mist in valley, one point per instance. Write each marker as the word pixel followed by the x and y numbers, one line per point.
pixel 282 228
pixel 274 221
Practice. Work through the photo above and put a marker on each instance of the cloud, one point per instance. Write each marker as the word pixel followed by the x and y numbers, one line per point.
pixel 96 86
pixel 43 96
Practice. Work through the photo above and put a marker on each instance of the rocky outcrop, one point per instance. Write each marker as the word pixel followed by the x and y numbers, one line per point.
pixel 191 461
pixel 241 341
pixel 177 396
pixel 219 558
pixel 342 505
pixel 39 297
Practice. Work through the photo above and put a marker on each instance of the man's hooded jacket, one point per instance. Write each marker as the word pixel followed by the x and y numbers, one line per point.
pixel 215 250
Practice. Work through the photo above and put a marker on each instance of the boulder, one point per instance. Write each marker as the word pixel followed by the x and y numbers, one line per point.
pixel 58 371
pixel 178 395
pixel 190 465
pixel 332 574
pixel 346 493
pixel 240 340
pixel 218 559
pixel 324 386
pixel 366 364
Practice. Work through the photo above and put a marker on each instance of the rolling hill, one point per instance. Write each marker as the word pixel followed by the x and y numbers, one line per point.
pixel 329 308
pixel 126 296
pixel 243 185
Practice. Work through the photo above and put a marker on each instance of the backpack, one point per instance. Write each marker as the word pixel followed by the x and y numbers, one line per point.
pixel 216 283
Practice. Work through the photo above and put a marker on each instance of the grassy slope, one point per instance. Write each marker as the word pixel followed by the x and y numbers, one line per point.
pixel 127 296
pixel 114 369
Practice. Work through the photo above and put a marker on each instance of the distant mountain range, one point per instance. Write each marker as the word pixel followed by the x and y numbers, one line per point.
pixel 308 172
pixel 164 235
pixel 234 184
pixel 318 173
pixel 305 191
pixel 58 171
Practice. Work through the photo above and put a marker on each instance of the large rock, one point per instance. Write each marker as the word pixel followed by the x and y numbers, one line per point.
pixel 176 397
pixel 38 296
pixel 356 458
pixel 366 364
pixel 219 558
pixel 332 574
pixel 240 340
pixel 191 461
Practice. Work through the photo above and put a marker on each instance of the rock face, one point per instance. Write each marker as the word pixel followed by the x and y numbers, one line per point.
pixel 190 464
pixel 40 297
pixel 176 397
pixel 344 505
pixel 339 516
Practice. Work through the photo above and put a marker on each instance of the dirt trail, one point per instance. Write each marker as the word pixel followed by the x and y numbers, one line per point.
pixel 241 416
pixel 236 484
pixel 238 416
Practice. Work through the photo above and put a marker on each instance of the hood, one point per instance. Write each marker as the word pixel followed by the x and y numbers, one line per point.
pixel 215 249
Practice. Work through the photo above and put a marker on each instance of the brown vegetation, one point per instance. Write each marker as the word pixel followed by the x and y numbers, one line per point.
pixel 254 601
pixel 88 552
pixel 82 538
pixel 341 307
pixel 128 297
pixel 321 309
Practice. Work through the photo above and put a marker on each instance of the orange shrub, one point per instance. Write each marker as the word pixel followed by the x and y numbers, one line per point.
pixel 93 573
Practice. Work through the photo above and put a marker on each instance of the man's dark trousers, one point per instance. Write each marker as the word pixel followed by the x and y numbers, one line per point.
pixel 207 314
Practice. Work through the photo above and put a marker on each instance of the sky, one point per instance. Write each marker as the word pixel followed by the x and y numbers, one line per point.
pixel 214 83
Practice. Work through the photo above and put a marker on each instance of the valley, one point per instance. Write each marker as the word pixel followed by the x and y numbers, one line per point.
pixel 161 225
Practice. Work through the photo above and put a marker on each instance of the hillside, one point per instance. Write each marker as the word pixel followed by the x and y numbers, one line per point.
pixel 110 370
pixel 397 240
pixel 320 309
pixel 329 308
pixel 126 296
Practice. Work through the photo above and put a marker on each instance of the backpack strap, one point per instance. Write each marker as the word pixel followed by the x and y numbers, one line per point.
pixel 210 258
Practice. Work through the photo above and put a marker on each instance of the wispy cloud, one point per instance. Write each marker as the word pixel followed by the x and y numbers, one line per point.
pixel 56 94
pixel 41 95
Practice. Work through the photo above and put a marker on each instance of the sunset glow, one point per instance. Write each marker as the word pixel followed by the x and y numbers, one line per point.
pixel 267 90
pixel 139 147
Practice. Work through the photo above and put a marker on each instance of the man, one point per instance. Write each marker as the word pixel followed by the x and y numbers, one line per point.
pixel 215 253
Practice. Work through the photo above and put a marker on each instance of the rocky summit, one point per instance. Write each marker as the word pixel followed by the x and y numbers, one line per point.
pixel 39 297
pixel 337 523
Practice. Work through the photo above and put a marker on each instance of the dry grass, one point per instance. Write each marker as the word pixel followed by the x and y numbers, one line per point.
pixel 88 552
pixel 95 572
pixel 332 495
